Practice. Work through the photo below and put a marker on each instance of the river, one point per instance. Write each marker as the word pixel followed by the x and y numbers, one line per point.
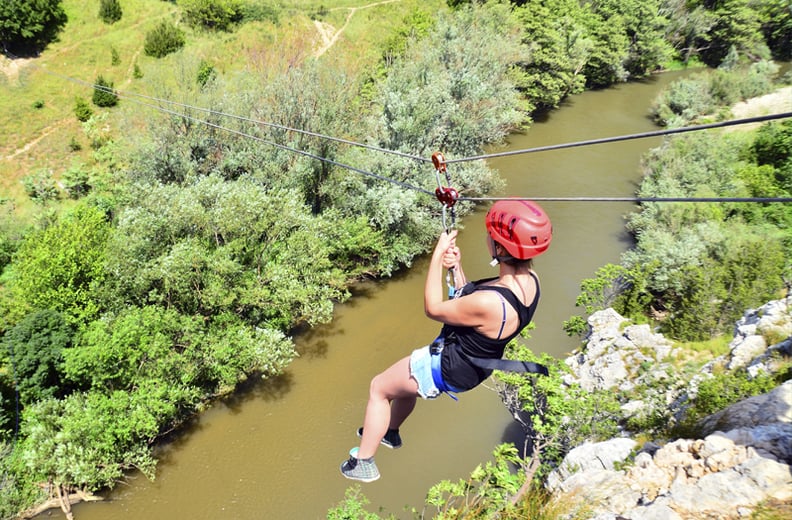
pixel 273 450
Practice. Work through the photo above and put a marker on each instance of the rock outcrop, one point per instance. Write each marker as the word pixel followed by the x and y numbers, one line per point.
pixel 744 454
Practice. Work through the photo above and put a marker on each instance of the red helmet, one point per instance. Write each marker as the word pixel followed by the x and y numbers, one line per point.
pixel 520 226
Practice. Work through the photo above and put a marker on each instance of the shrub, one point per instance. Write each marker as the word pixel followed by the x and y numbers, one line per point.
pixel 110 11
pixel 74 144
pixel 40 187
pixel 104 95
pixel 82 110
pixel 76 182
pixel 163 40
pixel 205 73
pixel 212 14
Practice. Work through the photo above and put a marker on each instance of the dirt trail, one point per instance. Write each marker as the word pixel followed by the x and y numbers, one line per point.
pixel 328 34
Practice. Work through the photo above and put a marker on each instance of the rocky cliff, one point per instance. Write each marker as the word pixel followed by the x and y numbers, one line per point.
pixel 741 456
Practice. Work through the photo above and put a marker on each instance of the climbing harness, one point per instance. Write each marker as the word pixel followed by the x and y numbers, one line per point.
pixel 447 197
pixel 504 365
pixel 508 222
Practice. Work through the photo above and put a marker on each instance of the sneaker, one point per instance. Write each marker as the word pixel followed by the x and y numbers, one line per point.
pixel 364 470
pixel 392 438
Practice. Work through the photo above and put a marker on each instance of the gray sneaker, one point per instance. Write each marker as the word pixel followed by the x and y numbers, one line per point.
pixel 364 470
pixel 392 438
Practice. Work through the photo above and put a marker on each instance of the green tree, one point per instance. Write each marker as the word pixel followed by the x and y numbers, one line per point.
pixel 777 28
pixel 559 48
pixel 68 444
pixel 110 11
pixel 11 232
pixel 218 246
pixel 103 94
pixel 164 39
pixel 687 23
pixel 736 24
pixel 61 267
pixel 40 187
pixel 773 147
pixel 27 26
pixel 76 181
pixel 212 14
pixel 644 28
pixel 36 344
pixel 82 109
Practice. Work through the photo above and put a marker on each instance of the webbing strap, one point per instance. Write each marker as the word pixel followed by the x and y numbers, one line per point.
pixel 509 365
pixel 437 377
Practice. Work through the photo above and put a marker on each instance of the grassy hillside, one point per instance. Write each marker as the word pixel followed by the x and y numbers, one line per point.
pixel 37 96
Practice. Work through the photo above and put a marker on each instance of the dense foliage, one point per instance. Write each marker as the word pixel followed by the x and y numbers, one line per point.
pixel 110 11
pixel 180 270
pixel 696 267
pixel 27 27
pixel 164 39
pixel 138 305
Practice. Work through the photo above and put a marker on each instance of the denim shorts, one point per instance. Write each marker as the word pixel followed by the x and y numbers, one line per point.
pixel 421 371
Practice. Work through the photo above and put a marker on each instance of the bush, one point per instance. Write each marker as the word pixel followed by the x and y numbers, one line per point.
pixel 250 12
pixel 212 14
pixel 104 95
pixel 26 27
pixel 40 187
pixel 205 73
pixel 82 110
pixel 163 40
pixel 683 101
pixel 76 182
pixel 719 392
pixel 110 11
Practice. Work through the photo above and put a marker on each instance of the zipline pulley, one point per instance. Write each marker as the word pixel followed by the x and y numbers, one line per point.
pixel 447 197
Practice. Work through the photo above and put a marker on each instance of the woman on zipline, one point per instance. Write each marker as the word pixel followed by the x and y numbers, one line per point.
pixel 477 326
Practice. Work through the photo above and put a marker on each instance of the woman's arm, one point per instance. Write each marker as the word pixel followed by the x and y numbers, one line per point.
pixel 472 310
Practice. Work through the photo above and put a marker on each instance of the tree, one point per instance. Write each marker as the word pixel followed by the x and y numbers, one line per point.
pixel 559 48
pixel 163 40
pixel 736 24
pixel 644 28
pixel 606 63
pixel 103 94
pixel 110 11
pixel 82 110
pixel 40 187
pixel 28 26
pixel 212 14
pixel 777 28
pixel 61 267
pixel 36 344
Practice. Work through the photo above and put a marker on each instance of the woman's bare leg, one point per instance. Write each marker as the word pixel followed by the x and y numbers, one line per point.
pixel 401 408
pixel 394 384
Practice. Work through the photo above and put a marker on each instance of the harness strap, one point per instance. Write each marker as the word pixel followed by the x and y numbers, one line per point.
pixel 509 365
pixel 437 373
pixel 503 322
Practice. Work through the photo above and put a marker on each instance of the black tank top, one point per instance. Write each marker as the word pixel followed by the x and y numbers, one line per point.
pixel 461 343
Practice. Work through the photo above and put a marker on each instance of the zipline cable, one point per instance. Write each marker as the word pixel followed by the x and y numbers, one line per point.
pixel 127 95
pixel 633 199
pixel 281 146
pixel 656 133
pixel 642 135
